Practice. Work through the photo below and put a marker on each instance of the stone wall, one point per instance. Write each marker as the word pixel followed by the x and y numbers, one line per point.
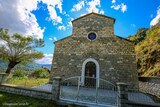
pixel 150 88
pixel 155 80
pixel 150 85
pixel 102 25
pixel 115 55
pixel 26 92
pixel 124 98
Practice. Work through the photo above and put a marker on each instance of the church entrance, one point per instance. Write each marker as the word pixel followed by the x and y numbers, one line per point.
pixel 90 74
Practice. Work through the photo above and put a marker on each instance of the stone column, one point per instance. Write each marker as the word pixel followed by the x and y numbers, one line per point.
pixel 122 94
pixel 56 88
pixel 3 77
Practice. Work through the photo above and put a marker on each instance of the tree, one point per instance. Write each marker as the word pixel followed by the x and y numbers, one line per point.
pixel 17 49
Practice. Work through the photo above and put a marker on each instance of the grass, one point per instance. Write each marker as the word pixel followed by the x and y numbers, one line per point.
pixel 25 81
pixel 11 100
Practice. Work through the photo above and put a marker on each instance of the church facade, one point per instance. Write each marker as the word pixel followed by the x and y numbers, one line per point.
pixel 94 51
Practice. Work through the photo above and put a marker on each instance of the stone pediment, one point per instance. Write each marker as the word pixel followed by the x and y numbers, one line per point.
pixel 96 14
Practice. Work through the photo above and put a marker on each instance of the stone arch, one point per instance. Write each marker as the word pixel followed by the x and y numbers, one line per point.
pixel 83 70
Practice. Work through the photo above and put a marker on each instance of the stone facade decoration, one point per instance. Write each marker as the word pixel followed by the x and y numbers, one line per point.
pixel 113 57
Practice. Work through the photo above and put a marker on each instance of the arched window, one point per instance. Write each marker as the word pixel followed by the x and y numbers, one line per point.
pixel 90 64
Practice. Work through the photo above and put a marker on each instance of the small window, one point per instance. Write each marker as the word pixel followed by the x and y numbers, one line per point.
pixel 92 36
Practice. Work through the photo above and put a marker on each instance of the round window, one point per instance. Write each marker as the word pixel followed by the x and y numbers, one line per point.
pixel 92 36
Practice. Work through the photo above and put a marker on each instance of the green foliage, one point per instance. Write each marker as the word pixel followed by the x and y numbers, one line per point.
pixel 139 36
pixel 41 73
pixel 20 73
pixel 18 48
pixel 26 81
pixel 148 51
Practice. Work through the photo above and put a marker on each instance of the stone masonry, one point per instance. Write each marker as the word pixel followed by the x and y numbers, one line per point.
pixel 25 91
pixel 150 88
pixel 115 55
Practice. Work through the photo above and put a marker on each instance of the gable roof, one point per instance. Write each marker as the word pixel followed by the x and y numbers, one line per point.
pixel 94 14
pixel 62 39
pixel 114 36
pixel 124 39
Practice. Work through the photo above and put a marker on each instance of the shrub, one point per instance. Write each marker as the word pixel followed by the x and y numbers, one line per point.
pixel 20 73
pixel 41 73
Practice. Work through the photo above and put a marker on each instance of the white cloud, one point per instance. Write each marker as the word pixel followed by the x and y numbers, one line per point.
pixel 116 7
pixel 121 6
pixel 50 39
pixel 113 1
pixel 54 38
pixel 156 19
pixel 17 16
pixel 62 27
pixel 82 14
pixel 47 59
pixel 93 6
pixel 78 6
pixel 52 5
pixel 133 25
pixel 70 23
pixel 2 42
pixel 101 12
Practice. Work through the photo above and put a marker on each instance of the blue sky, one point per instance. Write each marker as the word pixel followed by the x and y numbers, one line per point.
pixel 51 19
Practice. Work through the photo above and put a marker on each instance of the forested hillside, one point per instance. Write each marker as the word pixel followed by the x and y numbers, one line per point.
pixel 25 67
pixel 148 50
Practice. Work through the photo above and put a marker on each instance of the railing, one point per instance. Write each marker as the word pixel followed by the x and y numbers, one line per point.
pixel 135 98
pixel 93 90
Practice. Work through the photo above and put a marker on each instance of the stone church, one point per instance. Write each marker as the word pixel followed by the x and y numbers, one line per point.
pixel 94 51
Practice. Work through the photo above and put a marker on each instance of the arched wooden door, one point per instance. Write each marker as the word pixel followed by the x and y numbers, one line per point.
pixel 90 74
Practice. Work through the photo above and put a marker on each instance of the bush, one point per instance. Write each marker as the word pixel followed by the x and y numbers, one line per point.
pixel 20 73
pixel 41 73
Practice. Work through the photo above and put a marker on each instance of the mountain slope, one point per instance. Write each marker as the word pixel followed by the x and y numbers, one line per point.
pixel 27 67
pixel 148 50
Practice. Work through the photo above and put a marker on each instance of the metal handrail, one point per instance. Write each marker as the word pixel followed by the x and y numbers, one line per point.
pixel 78 84
pixel 107 82
pixel 70 78
pixel 88 77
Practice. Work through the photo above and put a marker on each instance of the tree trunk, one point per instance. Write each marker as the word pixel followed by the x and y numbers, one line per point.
pixel 11 66
pixel 8 71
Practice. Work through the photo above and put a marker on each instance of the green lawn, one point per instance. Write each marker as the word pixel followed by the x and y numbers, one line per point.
pixel 29 82
pixel 11 100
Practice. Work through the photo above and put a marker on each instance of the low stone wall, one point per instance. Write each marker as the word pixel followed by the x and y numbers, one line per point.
pixel 125 101
pixel 25 91
pixel 150 85
pixel 155 80
pixel 150 88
